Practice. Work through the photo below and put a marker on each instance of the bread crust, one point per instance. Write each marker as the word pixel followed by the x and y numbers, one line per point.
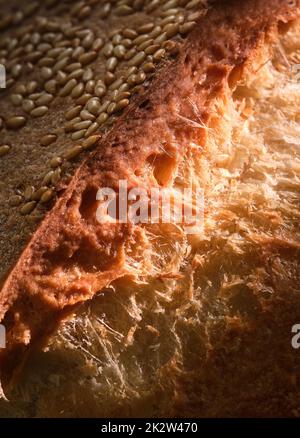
pixel 39 293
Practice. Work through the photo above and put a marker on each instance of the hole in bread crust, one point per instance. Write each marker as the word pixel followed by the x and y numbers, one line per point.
pixel 145 104
pixel 88 204
pixel 235 76
pixel 187 59
pixel 283 27
pixel 163 167
pixel 219 52
pixel 214 74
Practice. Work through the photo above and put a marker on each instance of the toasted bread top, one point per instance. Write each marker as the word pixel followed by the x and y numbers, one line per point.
pixel 71 257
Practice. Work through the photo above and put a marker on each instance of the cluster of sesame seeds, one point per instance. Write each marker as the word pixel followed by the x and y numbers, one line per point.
pixel 97 72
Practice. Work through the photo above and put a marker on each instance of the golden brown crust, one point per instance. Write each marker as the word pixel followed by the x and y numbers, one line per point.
pixel 28 161
pixel 33 300
pixel 37 39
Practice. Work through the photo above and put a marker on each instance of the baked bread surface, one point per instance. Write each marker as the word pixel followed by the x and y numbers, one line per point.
pixel 29 177
pixel 201 324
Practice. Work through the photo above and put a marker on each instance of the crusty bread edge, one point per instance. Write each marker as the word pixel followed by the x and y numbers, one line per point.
pixel 223 41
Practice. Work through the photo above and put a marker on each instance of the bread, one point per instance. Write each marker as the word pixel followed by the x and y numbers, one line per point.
pixel 172 324
pixel 27 164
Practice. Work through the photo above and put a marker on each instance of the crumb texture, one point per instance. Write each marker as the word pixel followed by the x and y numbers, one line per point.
pixel 184 325
pixel 72 68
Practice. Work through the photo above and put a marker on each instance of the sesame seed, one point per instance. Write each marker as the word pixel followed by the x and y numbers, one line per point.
pixel 93 106
pixel 82 100
pixel 78 90
pixel 47 178
pixel 36 196
pixel 86 115
pixel 39 111
pixel 4 149
pixel 47 196
pixel 102 118
pixel 137 59
pixel 145 28
pixel 78 134
pixel 66 90
pixel 73 152
pixel 129 33
pixel 69 115
pixel 15 200
pixel 82 125
pixel 28 192
pixel 55 162
pixel 16 99
pixel 87 58
pixel 45 99
pixel 93 127
pixel 28 105
pixel 56 176
pixel 187 27
pixel 16 122
pixel 123 10
pixel 111 63
pixel 28 208
pixel 48 139
pixel 91 141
